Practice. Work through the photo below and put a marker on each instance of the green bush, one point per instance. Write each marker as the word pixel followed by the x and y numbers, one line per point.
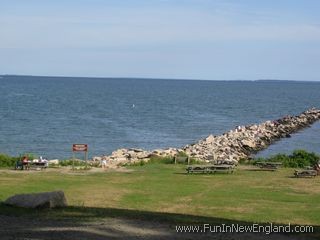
pixel 303 157
pixel 152 160
pixel 8 161
pixel 157 159
pixel 195 161
pixel 161 160
pixel 191 160
pixel 77 163
pixel 135 164
pixel 298 159
pixel 182 154
pixel 245 161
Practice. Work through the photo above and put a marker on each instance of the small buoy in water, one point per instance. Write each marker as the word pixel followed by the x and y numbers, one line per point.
pixel 133 106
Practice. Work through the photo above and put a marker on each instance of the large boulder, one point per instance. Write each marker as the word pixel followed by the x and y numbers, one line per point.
pixel 38 200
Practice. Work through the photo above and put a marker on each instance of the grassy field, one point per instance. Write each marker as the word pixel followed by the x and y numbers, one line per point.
pixel 246 195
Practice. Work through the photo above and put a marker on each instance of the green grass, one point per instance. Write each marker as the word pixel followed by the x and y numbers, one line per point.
pixel 246 196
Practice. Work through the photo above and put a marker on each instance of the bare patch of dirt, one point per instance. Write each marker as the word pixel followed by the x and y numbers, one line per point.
pixel 114 228
pixel 68 170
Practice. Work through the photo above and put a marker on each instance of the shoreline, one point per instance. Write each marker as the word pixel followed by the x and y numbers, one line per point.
pixel 233 145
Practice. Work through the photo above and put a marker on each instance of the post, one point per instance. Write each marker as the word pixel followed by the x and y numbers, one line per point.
pixel 72 160
pixel 86 158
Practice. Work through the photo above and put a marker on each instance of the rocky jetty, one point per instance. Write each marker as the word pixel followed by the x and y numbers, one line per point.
pixel 236 144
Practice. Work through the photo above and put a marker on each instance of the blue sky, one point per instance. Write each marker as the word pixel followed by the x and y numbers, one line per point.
pixel 190 39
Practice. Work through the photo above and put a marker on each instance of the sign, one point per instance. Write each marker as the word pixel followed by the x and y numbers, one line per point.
pixel 80 147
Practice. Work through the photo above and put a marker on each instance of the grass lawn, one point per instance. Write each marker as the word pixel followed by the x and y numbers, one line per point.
pixel 246 195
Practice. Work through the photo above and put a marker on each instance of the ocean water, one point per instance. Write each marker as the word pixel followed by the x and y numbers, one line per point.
pixel 46 115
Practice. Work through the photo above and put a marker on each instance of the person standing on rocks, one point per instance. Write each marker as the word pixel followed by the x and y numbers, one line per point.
pixel 104 163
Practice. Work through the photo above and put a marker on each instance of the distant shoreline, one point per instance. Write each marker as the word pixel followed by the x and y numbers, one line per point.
pixel 162 79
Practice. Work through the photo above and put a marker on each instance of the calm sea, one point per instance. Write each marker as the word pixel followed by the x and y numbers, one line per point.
pixel 46 115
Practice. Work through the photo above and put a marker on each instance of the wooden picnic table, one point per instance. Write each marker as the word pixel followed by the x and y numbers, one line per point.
pixel 40 165
pixel 305 173
pixel 31 165
pixel 269 165
pixel 212 168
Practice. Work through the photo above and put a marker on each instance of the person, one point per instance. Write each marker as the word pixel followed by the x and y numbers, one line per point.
pixel 25 163
pixel 317 168
pixel 19 165
pixel 104 163
pixel 46 163
pixel 43 162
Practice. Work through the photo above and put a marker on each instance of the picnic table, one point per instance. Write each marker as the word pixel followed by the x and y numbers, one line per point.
pixel 38 165
pixel 212 168
pixel 272 166
pixel 31 165
pixel 305 173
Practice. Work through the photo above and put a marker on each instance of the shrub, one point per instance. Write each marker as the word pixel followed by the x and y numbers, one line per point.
pixel 182 154
pixel 8 161
pixel 164 160
pixel 69 162
pixel 302 157
pixel 247 161
pixel 195 161
pixel 152 160
pixel 135 164
pixel 299 158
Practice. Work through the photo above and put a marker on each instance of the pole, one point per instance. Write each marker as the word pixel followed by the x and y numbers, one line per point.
pixel 85 158
pixel 72 160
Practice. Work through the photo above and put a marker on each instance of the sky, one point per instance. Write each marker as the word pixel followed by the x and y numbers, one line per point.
pixel 184 39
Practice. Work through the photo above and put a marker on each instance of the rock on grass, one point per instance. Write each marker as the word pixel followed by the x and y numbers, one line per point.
pixel 38 200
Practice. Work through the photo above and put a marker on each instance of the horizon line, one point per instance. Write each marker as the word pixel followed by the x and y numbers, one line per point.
pixel 154 78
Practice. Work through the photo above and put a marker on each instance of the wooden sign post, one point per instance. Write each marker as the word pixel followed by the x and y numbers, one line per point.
pixel 80 148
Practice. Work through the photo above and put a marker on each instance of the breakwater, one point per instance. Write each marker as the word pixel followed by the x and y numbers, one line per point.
pixel 236 144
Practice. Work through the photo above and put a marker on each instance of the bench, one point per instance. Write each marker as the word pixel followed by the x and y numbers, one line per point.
pixel 272 166
pixel 210 168
pixel 38 165
pixel 31 165
pixel 305 173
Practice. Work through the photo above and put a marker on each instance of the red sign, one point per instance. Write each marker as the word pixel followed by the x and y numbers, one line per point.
pixel 80 147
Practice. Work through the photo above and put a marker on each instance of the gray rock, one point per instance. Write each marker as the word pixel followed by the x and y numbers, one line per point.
pixel 250 144
pixel 38 200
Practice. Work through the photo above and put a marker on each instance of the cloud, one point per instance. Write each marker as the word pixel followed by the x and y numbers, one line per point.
pixel 138 27
pixel 198 38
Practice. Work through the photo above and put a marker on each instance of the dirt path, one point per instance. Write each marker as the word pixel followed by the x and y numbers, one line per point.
pixel 111 228
pixel 68 170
